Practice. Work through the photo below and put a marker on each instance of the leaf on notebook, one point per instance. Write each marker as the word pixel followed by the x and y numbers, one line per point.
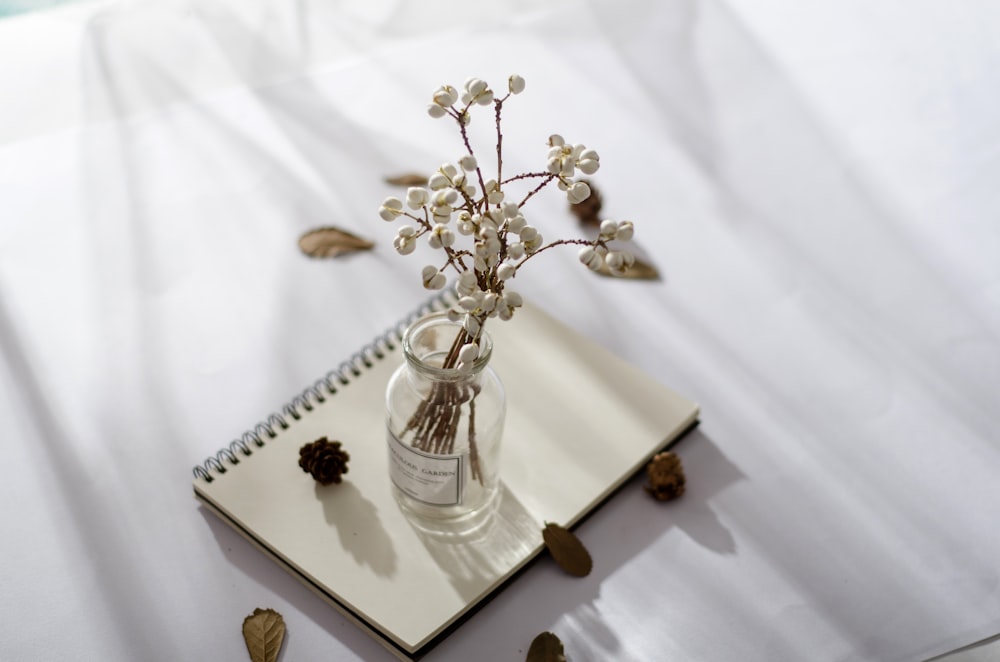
pixel 567 550
pixel 264 631
pixel 409 179
pixel 546 647
pixel 331 242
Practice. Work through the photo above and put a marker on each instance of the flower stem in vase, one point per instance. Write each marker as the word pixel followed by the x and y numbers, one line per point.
pixel 435 423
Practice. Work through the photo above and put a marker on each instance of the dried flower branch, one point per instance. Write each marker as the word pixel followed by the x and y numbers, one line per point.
pixel 488 214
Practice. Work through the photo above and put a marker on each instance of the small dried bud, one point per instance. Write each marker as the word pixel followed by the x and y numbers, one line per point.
pixel 416 197
pixel 513 299
pixel 471 325
pixel 625 231
pixel 506 271
pixel 466 284
pixel 445 96
pixel 615 261
pixel 405 243
pixel 485 98
pixel 433 279
pixel 440 236
pixel 475 87
pixel 578 192
pixel 468 353
pixel 588 211
pixel 391 208
pixel 608 228
pixel 437 181
pixel 590 258
pixel 517 223
pixel 493 193
pixel 588 161
pixel 468 163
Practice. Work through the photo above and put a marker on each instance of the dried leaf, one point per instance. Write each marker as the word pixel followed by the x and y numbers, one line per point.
pixel 264 631
pixel 331 242
pixel 409 179
pixel 640 270
pixel 567 550
pixel 546 647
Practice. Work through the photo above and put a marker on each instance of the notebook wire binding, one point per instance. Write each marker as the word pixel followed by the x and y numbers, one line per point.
pixel 341 376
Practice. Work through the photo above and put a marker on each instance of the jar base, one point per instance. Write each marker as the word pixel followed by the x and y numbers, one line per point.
pixel 448 522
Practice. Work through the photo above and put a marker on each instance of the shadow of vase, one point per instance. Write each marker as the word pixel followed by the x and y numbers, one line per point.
pixel 475 561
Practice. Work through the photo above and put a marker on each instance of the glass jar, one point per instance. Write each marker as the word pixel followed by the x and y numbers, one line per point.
pixel 444 425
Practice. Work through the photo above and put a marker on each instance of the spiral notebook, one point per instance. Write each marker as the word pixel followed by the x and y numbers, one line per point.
pixel 580 422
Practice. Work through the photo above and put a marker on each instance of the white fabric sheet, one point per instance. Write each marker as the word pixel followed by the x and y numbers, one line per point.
pixel 816 182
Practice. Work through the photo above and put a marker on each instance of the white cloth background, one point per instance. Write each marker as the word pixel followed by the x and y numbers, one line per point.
pixel 816 182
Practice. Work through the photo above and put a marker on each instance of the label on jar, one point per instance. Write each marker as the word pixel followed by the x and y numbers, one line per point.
pixel 431 479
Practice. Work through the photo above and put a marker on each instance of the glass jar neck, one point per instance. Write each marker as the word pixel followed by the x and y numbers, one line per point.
pixel 431 346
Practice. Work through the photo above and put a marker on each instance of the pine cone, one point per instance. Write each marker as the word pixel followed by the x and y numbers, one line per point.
pixel 325 460
pixel 666 477
pixel 588 212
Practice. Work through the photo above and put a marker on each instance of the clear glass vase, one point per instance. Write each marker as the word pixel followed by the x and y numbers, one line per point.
pixel 444 427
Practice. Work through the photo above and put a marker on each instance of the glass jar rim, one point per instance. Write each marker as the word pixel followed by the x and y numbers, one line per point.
pixel 440 320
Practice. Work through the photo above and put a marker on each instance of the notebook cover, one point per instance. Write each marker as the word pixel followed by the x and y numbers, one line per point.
pixel 580 422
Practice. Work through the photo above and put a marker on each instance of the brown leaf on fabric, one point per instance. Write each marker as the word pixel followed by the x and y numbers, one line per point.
pixel 331 242
pixel 567 550
pixel 546 647
pixel 264 631
pixel 409 179
pixel 640 270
